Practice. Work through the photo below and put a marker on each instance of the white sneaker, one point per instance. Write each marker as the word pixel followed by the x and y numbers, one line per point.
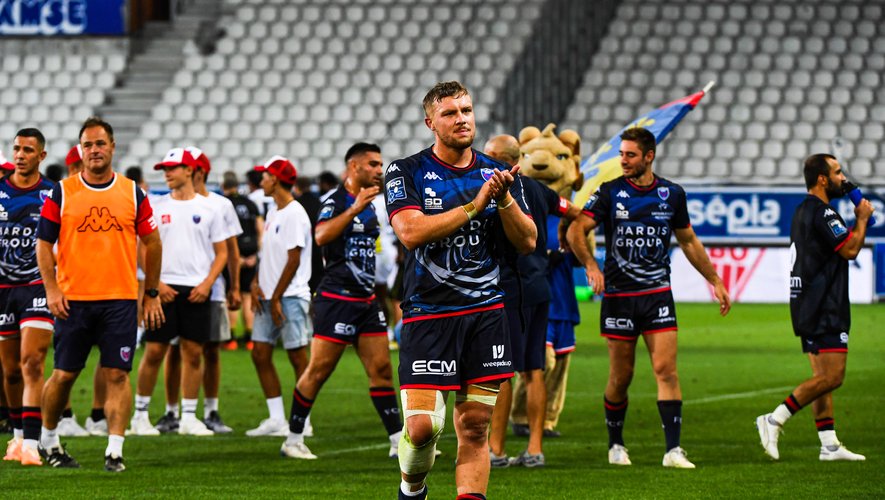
pixel 676 458
pixel 296 450
pixel 99 428
pixel 68 427
pixel 768 434
pixel 270 427
pixel 190 426
pixel 394 444
pixel 308 428
pixel 141 426
pixel 617 455
pixel 839 452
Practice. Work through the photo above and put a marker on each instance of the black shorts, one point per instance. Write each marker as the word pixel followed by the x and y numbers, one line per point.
pixel 247 274
pixel 625 316
pixel 830 342
pixel 22 307
pixel 343 319
pixel 528 334
pixel 448 353
pixel 110 324
pixel 185 319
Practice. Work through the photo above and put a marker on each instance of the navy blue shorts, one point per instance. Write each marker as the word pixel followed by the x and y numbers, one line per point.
pixel 830 342
pixel 626 316
pixel 185 319
pixel 561 335
pixel 110 324
pixel 343 320
pixel 22 307
pixel 448 353
pixel 528 333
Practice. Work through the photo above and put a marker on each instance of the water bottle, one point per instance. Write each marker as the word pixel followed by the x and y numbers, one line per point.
pixel 855 196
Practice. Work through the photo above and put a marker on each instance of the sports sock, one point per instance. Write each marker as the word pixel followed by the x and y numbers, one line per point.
pixel 49 438
pixel 275 408
pixel 32 420
pixel 142 403
pixel 825 424
pixel 384 399
pixel 471 496
pixel 785 410
pixel 671 419
pixel 173 409
pixel 97 414
pixel 615 414
pixel 301 406
pixel 406 488
pixel 209 405
pixel 67 413
pixel 115 445
pixel 15 416
pixel 826 431
pixel 189 408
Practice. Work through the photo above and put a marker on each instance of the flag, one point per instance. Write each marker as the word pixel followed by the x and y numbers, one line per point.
pixel 605 164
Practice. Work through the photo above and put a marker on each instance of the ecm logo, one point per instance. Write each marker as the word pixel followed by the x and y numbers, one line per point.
pixel 433 367
pixel 619 323
pixel 344 329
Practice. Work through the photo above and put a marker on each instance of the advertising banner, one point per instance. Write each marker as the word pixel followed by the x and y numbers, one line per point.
pixel 62 17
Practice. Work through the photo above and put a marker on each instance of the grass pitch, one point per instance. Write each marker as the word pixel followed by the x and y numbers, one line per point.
pixel 731 369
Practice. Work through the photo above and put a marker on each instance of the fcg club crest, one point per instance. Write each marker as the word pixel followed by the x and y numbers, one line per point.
pixel 126 353
pixel 663 192
pixel 487 173
pixel 197 219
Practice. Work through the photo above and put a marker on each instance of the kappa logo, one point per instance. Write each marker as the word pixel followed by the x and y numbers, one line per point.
pixel 622 194
pixel 498 351
pixel 99 220
pixel 3 195
pixel 735 266
pixel 393 168
pixel 432 176
pixel 829 212
pixel 126 353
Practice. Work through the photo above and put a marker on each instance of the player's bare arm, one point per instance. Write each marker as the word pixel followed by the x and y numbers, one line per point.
pixel 234 299
pixel 153 257
pixel 55 299
pixel 333 228
pixel 572 212
pixel 200 293
pixel 694 251
pixel 577 241
pixel 293 259
pixel 414 228
pixel 863 211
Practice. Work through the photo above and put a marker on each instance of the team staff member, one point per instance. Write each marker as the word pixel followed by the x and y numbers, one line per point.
pixel 640 211
pixel 194 253
pixel 346 309
pixel 451 206
pixel 96 213
pixel 26 326
pixel 821 246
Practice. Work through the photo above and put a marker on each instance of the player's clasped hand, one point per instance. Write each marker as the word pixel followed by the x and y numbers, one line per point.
pixel 153 314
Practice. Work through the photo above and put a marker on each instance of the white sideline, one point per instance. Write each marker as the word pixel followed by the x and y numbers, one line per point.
pixel 738 395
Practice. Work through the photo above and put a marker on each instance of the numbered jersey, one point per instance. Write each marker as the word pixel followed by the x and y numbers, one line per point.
pixel 350 258
pixel 19 215
pixel 459 273
pixel 638 224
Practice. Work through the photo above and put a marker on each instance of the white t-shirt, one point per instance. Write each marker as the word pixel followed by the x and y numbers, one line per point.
pixel 284 230
pixel 232 229
pixel 187 229
pixel 264 203
pixel 385 247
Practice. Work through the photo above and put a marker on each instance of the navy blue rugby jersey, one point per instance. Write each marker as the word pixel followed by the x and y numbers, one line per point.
pixel 459 273
pixel 19 216
pixel 350 258
pixel 638 224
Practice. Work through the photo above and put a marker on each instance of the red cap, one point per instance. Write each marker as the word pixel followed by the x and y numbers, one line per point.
pixel 4 163
pixel 74 155
pixel 281 168
pixel 179 156
pixel 201 161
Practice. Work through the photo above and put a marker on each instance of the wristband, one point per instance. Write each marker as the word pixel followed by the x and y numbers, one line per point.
pixel 470 210
pixel 505 207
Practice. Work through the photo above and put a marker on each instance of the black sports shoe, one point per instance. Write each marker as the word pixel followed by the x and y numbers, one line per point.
pixel 520 430
pixel 167 423
pixel 58 457
pixel 214 423
pixel 113 463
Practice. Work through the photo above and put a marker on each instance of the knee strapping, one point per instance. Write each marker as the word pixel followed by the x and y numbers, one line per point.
pixel 485 399
pixel 419 460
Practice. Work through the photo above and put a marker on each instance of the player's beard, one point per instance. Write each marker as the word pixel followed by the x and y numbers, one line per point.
pixel 834 190
pixel 460 143
pixel 639 170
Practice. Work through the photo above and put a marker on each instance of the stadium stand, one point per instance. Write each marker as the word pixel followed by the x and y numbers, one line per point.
pixel 792 78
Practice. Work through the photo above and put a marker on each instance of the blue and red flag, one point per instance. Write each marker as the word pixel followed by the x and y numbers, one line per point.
pixel 605 164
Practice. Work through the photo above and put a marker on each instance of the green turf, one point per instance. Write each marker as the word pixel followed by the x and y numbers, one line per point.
pixel 731 369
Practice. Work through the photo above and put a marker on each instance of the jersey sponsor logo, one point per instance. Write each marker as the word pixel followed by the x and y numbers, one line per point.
pixel 619 323
pixel 663 192
pixel 434 367
pixel 795 283
pixel 498 351
pixel 622 194
pixel 99 220
pixel 126 353
pixel 39 302
pixel 7 318
pixel 4 215
pixel 843 337
pixel 738 217
pixel 393 168
pixel 345 329
pixel 736 267
pixel 432 203
pixel 837 227
pixel 358 226
pixel 621 212
pixel 663 312
pixel 591 202
pixel 326 212
pixel 165 219
pixel 432 176
pixel 396 189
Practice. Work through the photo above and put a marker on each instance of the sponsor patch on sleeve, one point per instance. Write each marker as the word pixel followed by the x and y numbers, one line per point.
pixel 837 227
pixel 396 189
